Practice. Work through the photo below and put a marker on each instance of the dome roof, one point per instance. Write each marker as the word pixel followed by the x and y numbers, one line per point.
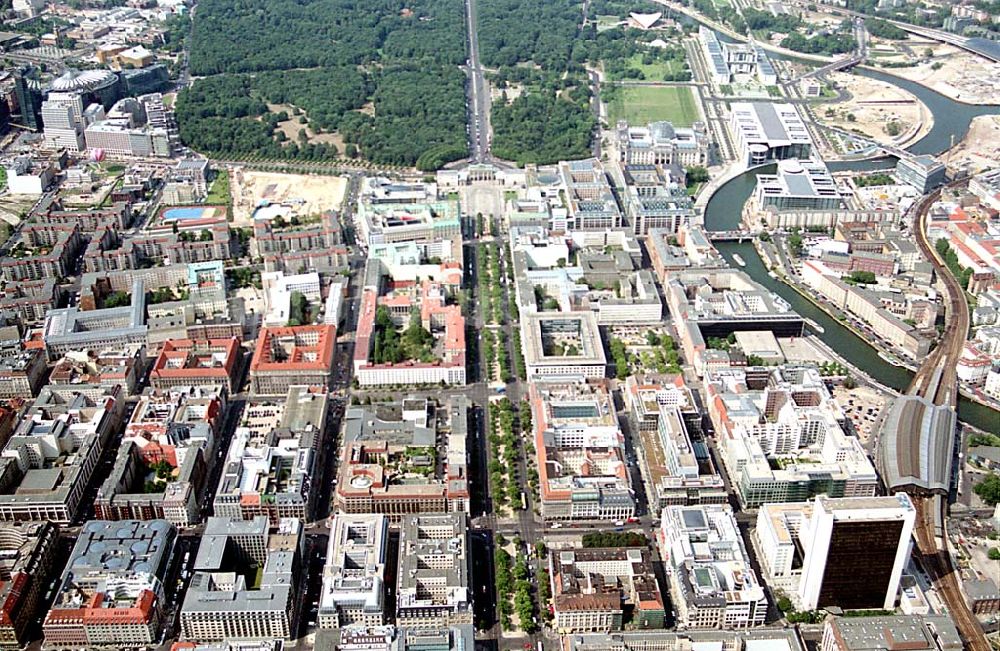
pixel 77 80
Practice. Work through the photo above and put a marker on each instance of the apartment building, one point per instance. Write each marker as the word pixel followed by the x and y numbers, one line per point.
pixel 391 465
pixel 224 602
pixel 30 300
pixel 868 306
pixel 41 252
pixel 270 466
pixel 592 587
pixel 432 584
pixel 712 583
pixel 292 356
pixel 111 594
pixel 354 590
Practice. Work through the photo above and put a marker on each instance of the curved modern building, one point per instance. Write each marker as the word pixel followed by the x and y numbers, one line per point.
pixel 100 86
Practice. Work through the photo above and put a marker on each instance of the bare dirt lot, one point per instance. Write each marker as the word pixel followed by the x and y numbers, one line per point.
pixel 980 149
pixel 873 106
pixel 957 74
pixel 306 194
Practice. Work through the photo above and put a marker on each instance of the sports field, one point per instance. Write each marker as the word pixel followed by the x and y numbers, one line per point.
pixel 643 104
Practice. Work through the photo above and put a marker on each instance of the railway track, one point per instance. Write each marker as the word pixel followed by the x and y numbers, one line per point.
pixel 937 563
pixel 937 381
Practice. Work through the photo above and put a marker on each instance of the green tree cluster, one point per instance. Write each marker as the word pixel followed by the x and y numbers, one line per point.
pixel 988 490
pixel 868 180
pixel 542 128
pixel 962 274
pixel 117 299
pixel 298 311
pixel 620 357
pixel 882 29
pixel 861 278
pixel 614 539
pixel 521 31
pixel 391 347
pixel 831 43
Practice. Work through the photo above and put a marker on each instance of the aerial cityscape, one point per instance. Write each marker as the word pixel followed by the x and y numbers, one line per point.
pixel 499 325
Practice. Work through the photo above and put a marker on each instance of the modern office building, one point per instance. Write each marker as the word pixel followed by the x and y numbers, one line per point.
pixel 712 582
pixel 433 589
pixel 911 632
pixel 390 463
pixel 292 356
pixel 924 173
pixel 718 302
pixel 590 200
pixel 764 131
pixel 48 462
pixel 111 594
pixel 64 120
pixel 71 328
pixel 246 582
pixel 780 438
pixel 29 101
pixel 798 185
pixel 270 466
pixel 655 198
pixel 559 345
pixel 592 587
pixel 729 61
pixel 580 453
pixel 27 558
pixel 846 553
pixel 354 590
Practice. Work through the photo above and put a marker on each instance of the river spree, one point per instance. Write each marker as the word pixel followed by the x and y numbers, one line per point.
pixel 951 120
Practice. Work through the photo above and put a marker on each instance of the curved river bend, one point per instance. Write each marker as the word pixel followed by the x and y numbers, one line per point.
pixel 722 213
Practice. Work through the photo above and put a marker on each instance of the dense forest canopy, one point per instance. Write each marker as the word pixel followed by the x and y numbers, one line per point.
pixel 255 35
pixel 383 74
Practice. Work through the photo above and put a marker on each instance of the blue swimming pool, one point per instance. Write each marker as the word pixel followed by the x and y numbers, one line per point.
pixel 173 214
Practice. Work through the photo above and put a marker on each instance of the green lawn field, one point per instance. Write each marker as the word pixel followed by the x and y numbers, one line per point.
pixel 643 104
pixel 655 71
